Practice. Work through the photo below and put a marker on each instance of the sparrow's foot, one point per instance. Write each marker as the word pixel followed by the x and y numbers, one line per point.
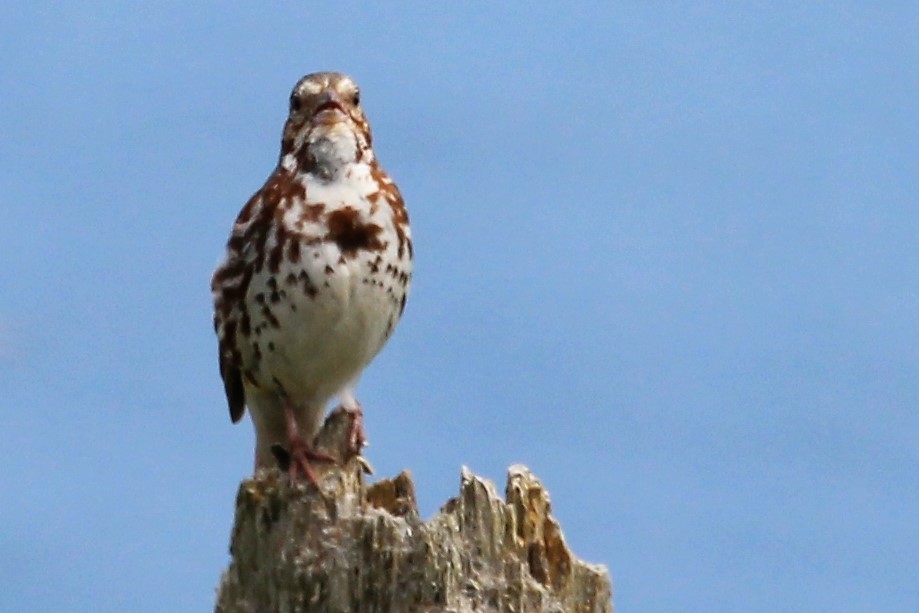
pixel 300 455
pixel 297 458
pixel 298 452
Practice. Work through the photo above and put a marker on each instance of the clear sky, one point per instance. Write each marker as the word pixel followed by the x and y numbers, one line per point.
pixel 666 255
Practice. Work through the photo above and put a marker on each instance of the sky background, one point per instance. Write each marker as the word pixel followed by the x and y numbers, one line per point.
pixel 666 256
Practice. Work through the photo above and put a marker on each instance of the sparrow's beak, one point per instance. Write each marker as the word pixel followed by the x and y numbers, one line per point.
pixel 330 101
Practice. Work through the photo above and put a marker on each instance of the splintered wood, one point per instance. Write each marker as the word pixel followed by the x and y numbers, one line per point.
pixel 358 547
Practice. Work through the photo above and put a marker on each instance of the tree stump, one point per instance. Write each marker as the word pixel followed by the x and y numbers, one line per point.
pixel 364 548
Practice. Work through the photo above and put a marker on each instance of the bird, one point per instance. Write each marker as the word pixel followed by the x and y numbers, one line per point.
pixel 315 277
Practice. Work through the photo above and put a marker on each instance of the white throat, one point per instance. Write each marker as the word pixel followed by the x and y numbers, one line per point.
pixel 332 150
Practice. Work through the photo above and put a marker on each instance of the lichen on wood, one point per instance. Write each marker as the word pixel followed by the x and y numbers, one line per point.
pixel 359 547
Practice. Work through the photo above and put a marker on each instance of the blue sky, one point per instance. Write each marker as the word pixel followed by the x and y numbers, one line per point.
pixel 665 255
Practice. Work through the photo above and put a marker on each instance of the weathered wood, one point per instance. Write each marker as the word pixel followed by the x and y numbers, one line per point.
pixel 364 548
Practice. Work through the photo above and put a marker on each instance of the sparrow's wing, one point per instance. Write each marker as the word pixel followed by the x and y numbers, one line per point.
pixel 232 383
pixel 228 287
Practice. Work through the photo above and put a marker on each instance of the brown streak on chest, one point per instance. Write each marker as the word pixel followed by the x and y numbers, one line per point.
pixel 399 213
pixel 282 239
pixel 293 251
pixel 281 186
pixel 351 234
pixel 312 212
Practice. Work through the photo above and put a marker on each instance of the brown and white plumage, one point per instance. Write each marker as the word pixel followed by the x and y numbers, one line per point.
pixel 316 274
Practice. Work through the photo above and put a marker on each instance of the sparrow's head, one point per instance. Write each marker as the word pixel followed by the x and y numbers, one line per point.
pixel 326 127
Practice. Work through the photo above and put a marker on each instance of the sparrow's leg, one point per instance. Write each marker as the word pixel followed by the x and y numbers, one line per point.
pixel 300 451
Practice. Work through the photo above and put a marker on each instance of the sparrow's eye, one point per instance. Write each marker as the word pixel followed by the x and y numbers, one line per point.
pixel 356 98
pixel 295 103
